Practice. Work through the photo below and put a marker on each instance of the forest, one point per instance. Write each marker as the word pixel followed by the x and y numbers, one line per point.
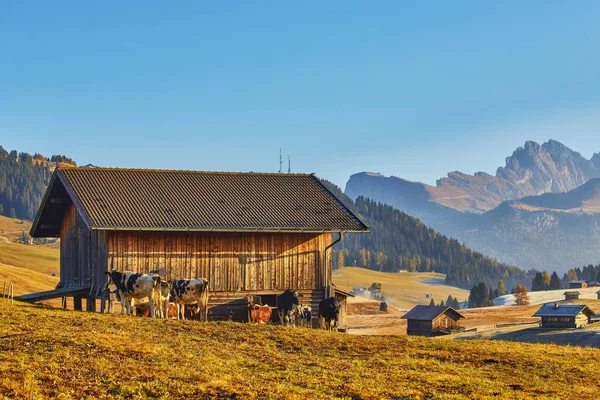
pixel 23 181
pixel 398 241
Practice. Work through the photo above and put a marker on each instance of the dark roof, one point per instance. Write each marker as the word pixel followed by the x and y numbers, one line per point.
pixel 134 199
pixel 429 313
pixel 571 292
pixel 577 281
pixel 563 310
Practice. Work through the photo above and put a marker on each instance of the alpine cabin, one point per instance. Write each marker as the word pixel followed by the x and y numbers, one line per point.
pixel 562 316
pixel 250 234
pixel 432 320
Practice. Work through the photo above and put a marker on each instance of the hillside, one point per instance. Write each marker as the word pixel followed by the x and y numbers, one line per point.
pixel 23 181
pixel 402 290
pixel 540 211
pixel 547 296
pixel 398 241
pixel 53 353
pixel 38 258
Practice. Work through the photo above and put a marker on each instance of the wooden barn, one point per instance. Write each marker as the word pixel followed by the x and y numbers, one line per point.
pixel 249 234
pixel 432 320
pixel 561 316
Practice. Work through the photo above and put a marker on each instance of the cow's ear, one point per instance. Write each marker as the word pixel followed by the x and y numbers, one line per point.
pixel 107 273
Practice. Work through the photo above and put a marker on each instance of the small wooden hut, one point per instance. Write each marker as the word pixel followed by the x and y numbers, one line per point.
pixel 562 316
pixel 249 234
pixel 578 284
pixel 571 295
pixel 432 320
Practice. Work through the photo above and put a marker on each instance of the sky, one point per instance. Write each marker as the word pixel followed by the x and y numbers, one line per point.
pixel 411 89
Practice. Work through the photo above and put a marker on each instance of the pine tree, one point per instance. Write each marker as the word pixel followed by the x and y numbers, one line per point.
pixel 500 288
pixel 432 303
pixel 554 281
pixel 1 209
pixel 13 214
pixel 340 262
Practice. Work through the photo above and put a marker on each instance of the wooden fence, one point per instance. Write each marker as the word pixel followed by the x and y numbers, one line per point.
pixel 7 291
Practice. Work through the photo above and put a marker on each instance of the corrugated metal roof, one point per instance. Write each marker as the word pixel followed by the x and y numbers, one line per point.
pixel 429 313
pixel 136 199
pixel 561 310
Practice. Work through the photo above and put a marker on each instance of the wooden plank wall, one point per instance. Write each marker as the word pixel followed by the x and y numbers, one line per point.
pixel 83 253
pixel 230 261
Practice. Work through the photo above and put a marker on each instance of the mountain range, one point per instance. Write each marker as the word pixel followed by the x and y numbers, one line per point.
pixel 541 210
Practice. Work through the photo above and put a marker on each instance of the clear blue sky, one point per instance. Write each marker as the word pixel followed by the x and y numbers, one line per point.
pixel 413 89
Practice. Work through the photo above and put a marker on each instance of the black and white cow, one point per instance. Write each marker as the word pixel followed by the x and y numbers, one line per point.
pixel 190 291
pixel 288 304
pixel 329 313
pixel 305 317
pixel 161 299
pixel 134 286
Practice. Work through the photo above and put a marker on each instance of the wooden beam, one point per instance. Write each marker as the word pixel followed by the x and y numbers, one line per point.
pixel 60 200
pixel 77 303
pixel 50 226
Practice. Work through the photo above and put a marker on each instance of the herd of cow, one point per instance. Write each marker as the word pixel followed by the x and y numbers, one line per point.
pixel 150 294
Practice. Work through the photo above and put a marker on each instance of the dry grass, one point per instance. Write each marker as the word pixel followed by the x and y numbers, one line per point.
pixel 403 290
pixel 26 281
pixel 50 353
pixel 43 259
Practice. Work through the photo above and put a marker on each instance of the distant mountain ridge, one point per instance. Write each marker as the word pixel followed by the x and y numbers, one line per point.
pixel 531 170
pixel 542 210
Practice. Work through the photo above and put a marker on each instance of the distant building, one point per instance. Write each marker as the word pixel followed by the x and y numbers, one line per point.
pixel 593 284
pixel 571 295
pixel 577 284
pixel 555 316
pixel 598 293
pixel 432 320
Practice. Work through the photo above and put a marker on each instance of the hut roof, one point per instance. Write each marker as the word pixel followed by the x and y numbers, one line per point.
pixel 135 199
pixel 429 313
pixel 577 281
pixel 571 292
pixel 562 310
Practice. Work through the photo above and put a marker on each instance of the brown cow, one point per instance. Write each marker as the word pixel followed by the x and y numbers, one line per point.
pixel 259 314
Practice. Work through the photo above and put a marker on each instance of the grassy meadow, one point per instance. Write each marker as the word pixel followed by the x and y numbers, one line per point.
pixel 53 353
pixel 403 290
pixel 43 259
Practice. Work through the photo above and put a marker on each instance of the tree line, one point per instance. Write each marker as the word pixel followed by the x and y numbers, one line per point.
pixel 23 181
pixel 400 242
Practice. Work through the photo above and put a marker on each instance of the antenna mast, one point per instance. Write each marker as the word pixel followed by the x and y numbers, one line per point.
pixel 280 161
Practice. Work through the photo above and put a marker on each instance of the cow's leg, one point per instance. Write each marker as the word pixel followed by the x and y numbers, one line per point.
pixel 124 306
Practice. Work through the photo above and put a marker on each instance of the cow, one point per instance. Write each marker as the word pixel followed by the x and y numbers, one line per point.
pixel 190 291
pixel 259 314
pixel 110 294
pixel 329 313
pixel 288 304
pixel 304 317
pixel 132 286
pixel 161 299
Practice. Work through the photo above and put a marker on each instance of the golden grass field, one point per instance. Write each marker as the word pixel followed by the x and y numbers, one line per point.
pixel 52 353
pixel 41 259
pixel 403 290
